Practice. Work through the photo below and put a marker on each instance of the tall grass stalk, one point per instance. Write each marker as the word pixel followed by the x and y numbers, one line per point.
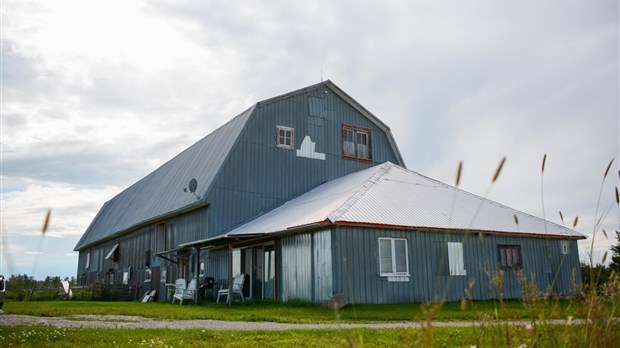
pixel 598 202
pixel 498 171
pixel 459 172
pixel 542 191
pixel 46 223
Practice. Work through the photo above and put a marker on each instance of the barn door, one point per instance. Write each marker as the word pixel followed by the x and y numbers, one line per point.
pixel 269 272
pixel 257 272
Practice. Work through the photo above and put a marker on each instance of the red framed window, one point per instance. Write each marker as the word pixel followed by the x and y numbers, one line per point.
pixel 509 257
pixel 356 143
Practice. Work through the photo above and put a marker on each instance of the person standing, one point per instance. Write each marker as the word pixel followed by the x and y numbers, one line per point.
pixel 2 291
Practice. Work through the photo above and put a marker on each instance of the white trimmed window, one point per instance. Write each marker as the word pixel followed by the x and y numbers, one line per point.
pixel 564 247
pixel 147 275
pixel 164 275
pixel 356 143
pixel 87 266
pixel 393 257
pixel 285 137
pixel 455 259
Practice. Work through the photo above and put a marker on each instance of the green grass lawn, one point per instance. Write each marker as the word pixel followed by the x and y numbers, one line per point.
pixel 497 331
pixel 299 313
pixel 439 337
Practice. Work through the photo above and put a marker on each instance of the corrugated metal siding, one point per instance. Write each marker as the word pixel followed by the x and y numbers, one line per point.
pixel 258 175
pixel 356 273
pixel 137 254
pixel 296 272
pixel 323 279
pixel 306 267
pixel 189 227
pixel 216 265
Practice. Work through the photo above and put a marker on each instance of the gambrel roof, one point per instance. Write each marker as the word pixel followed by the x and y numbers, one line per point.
pixel 162 192
pixel 161 195
pixel 390 196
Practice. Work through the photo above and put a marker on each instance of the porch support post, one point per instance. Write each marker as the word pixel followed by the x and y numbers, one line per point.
pixel 230 274
pixel 197 273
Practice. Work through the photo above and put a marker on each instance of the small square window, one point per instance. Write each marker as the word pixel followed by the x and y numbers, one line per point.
pixel 285 137
pixel 509 257
pixel 164 275
pixel 147 275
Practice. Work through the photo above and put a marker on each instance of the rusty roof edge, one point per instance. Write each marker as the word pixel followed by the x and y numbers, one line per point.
pixel 457 230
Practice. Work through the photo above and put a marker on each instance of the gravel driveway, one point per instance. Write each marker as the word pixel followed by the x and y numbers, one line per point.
pixel 132 322
pixel 119 321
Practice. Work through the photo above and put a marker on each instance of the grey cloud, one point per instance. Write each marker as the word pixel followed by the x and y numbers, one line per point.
pixel 455 82
pixel 17 71
pixel 74 162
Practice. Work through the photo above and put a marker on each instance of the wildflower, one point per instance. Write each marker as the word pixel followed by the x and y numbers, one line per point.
pixel 528 327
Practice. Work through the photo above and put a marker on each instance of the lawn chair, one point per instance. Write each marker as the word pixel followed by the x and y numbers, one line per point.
pixel 237 289
pixel 186 294
pixel 149 296
pixel 179 287
pixel 64 291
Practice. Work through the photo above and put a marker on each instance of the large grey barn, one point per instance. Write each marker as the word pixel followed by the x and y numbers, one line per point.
pixel 307 195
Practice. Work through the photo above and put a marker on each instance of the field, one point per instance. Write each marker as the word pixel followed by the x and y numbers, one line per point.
pixel 441 337
pixel 493 323
pixel 296 312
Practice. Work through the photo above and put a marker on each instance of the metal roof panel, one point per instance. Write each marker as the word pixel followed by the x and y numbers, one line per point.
pixel 390 195
pixel 161 191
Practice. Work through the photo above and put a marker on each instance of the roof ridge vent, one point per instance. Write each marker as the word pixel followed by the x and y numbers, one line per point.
pixel 359 193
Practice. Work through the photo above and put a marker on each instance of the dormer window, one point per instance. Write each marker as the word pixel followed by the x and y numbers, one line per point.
pixel 285 137
pixel 356 143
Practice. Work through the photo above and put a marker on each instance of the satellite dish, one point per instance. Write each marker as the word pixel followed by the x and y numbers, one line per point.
pixel 193 184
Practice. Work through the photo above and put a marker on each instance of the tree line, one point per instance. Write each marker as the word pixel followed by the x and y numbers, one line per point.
pixel 601 273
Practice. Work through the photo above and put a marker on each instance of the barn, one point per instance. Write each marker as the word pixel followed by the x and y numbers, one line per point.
pixel 306 195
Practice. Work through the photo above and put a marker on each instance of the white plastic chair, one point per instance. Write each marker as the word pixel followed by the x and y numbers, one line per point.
pixel 237 289
pixel 179 287
pixel 188 293
pixel 149 296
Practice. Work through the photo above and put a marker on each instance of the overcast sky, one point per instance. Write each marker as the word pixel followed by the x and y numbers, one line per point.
pixel 97 94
